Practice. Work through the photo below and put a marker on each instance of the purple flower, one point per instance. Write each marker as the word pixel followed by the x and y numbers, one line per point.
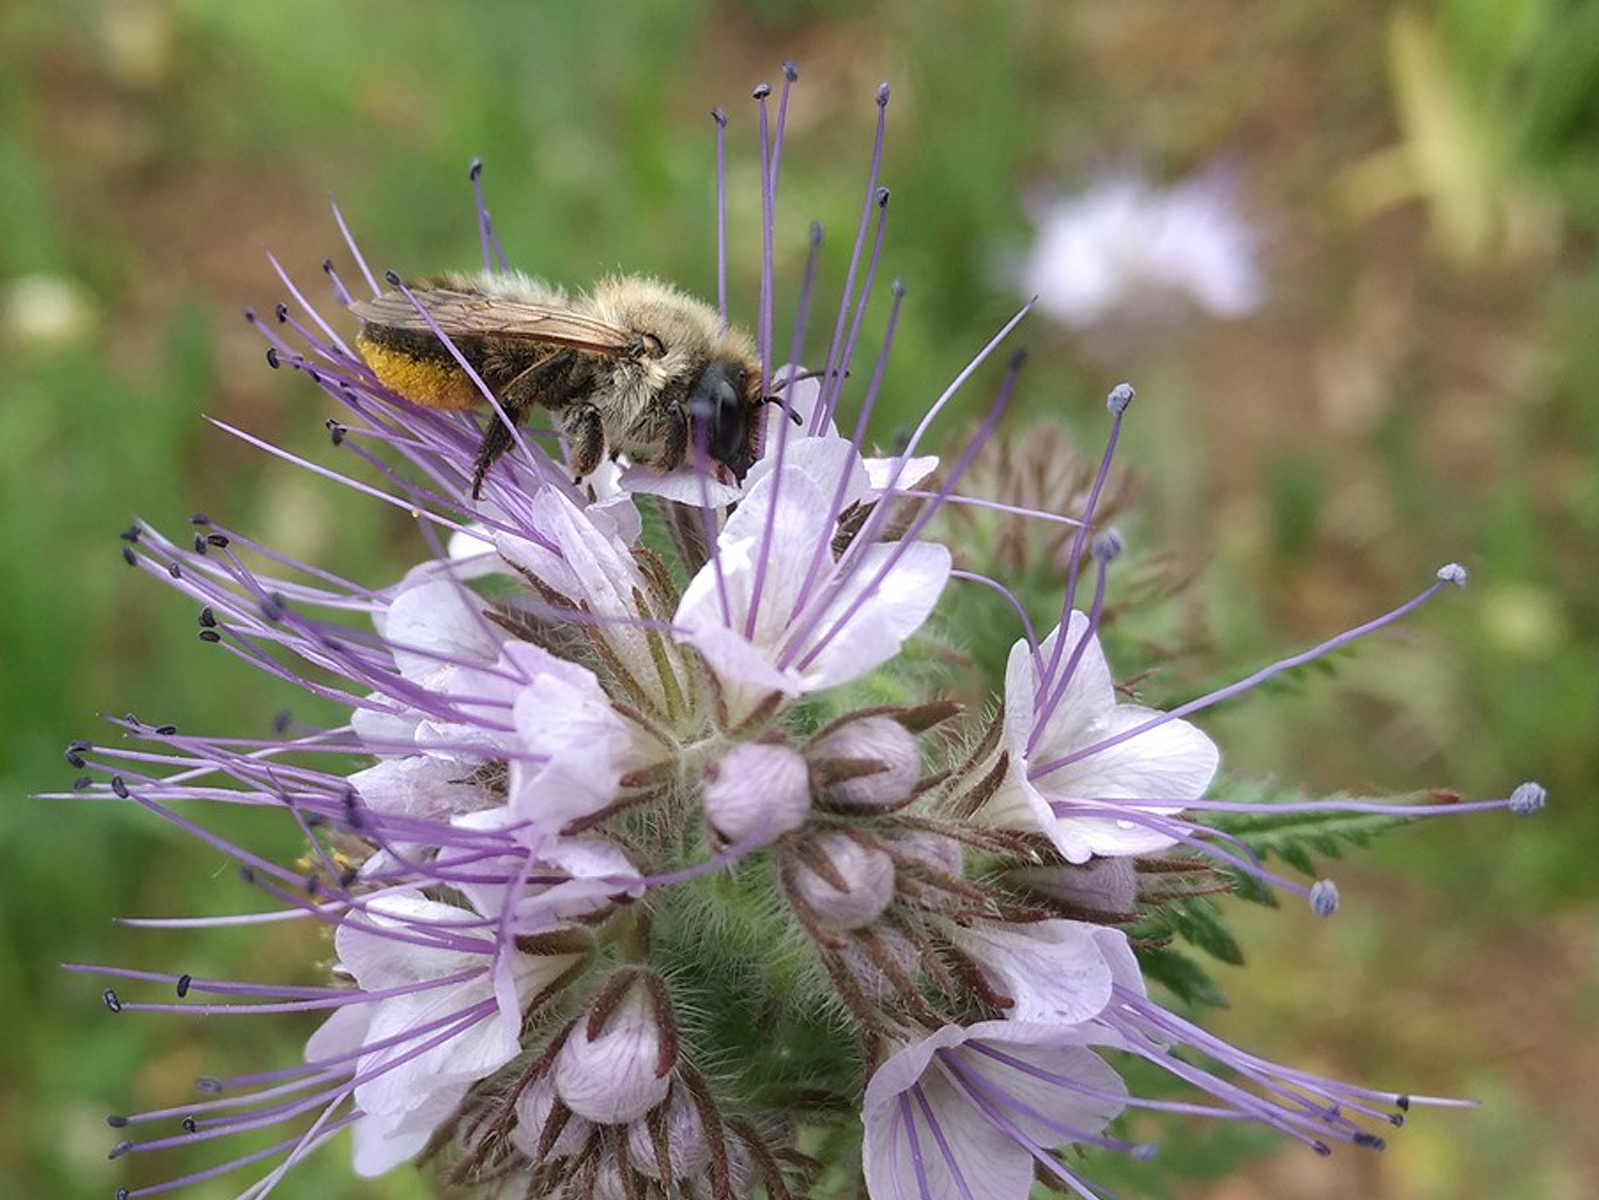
pixel 972 1112
pixel 631 869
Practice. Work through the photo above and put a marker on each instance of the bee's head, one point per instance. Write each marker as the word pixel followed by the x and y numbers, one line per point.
pixel 720 415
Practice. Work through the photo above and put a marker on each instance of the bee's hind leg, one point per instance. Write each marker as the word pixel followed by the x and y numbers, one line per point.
pixel 496 441
pixel 544 378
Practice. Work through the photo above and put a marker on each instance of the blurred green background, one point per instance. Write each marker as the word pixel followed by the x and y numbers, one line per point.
pixel 1420 387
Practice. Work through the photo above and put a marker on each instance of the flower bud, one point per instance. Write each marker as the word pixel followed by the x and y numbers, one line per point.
pixel 757 788
pixel 1101 885
pixel 687 1152
pixel 533 1115
pixel 832 859
pixel 618 1074
pixel 939 853
pixel 866 765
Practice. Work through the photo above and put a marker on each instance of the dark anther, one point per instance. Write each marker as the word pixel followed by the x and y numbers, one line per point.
pixel 348 876
pixel 129 557
pixel 316 376
pixel 120 788
pixel 208 619
pixel 210 635
pixel 272 357
pixel 1403 1103
pixel 313 886
pixel 898 289
pixel 189 1124
pixel 719 115
pixel 393 277
pixel 315 820
pixel 281 722
pixel 1370 1141
pixel 166 730
pixel 249 315
pixel 247 874
pixel 1396 1119
pixel 761 91
pixel 172 570
pixel 281 312
pixel 790 71
pixel 122 1194
pixel 1018 360
pixel 882 197
pixel 336 431
pixel 183 985
pixel 217 539
pixel 199 544
pixel 816 234
pixel 1321 1148
pixel 111 1000
pixel 116 1122
pixel 199 519
pixel 120 1149
pixel 882 95
pixel 75 754
pixel 475 170
pixel 272 608
pixel 130 534
pixel 209 1084
pixel 327 265
pixel 82 783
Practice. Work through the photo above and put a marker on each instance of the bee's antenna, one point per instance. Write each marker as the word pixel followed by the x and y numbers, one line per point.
pixel 792 415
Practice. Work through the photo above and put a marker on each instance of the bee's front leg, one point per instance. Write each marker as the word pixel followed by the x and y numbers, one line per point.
pixel 674 438
pixel 585 436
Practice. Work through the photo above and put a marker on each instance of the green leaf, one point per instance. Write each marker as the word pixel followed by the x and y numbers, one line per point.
pixel 1182 977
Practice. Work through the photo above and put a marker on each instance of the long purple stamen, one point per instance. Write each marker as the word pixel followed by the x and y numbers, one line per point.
pixel 832 377
pixel 1120 398
pixel 1250 681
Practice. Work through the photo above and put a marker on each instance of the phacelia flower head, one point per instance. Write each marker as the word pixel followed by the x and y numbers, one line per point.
pixel 653 853
pixel 1125 249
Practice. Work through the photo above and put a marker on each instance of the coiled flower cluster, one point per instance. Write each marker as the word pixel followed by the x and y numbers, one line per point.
pixel 656 860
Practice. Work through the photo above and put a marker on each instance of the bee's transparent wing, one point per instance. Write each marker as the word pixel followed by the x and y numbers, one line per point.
pixel 473 315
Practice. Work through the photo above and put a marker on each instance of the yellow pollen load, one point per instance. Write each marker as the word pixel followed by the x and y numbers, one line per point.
pixel 432 384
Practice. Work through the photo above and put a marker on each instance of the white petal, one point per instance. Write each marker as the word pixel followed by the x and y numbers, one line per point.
pixel 905 1159
pixel 1173 759
pixel 379 962
pixel 894 607
pixel 1090 693
pixel 1060 1113
pixel 458 1061
pixel 420 785
pixel 741 664
pixel 1055 971
pixel 825 460
pixel 437 618
pixel 385 732
pixel 384 1141
pixel 684 484
pixel 564 716
pixel 342 1033
pixel 880 472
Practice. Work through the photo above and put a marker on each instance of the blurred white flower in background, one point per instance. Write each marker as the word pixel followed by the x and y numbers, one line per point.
pixel 1127 250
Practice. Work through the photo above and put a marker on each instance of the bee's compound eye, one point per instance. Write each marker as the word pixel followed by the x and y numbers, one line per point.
pixel 720 416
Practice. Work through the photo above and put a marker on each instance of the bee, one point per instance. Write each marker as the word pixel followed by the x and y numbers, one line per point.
pixel 632 366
